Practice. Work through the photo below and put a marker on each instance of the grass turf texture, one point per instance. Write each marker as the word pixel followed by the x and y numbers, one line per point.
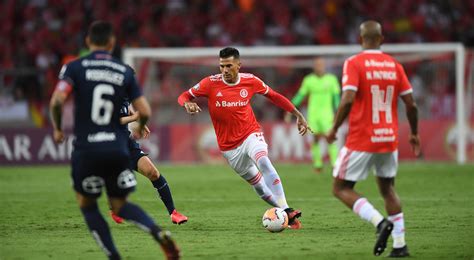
pixel 39 218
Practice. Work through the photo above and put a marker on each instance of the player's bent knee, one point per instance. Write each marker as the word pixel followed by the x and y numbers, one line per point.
pixel 117 203
pixel 146 168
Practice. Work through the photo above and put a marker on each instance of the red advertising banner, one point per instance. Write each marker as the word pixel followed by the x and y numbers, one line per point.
pixel 192 143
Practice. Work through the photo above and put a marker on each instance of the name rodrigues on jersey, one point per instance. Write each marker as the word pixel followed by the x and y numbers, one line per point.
pixel 101 137
pixel 239 103
pixel 380 74
pixel 105 75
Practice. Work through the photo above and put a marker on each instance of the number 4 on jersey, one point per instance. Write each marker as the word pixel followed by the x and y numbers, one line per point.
pixel 381 103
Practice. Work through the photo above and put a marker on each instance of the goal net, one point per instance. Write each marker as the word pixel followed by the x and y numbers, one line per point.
pixel 436 72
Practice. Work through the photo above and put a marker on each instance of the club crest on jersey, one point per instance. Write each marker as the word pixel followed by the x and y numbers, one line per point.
pixel 244 93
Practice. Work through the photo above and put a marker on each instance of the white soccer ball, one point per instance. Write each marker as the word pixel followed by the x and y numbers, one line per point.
pixel 275 220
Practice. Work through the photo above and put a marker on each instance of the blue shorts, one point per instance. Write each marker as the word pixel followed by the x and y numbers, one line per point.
pixel 94 170
pixel 135 153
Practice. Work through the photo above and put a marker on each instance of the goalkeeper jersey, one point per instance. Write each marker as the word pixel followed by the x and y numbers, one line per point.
pixel 322 92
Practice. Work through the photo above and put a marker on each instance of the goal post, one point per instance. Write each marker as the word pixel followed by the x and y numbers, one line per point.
pixel 132 55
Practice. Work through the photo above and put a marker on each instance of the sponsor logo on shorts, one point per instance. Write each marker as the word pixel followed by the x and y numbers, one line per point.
pixel 93 184
pixel 126 179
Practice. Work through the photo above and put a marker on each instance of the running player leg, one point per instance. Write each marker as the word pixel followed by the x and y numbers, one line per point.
pixel 245 168
pixel 386 168
pixel 97 225
pixel 254 178
pixel 118 187
pixel 352 166
pixel 134 214
pixel 146 167
pixel 257 151
pixel 88 188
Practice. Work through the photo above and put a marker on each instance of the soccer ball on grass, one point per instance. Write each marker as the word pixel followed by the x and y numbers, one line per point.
pixel 275 220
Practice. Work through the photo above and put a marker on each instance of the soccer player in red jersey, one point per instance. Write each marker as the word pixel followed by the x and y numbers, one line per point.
pixel 239 135
pixel 372 82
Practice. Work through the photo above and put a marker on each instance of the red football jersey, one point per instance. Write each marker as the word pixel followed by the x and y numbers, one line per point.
pixel 378 80
pixel 229 106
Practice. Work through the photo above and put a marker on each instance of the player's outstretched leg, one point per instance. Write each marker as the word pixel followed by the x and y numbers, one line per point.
pixel 148 169
pixel 97 225
pixel 137 216
pixel 394 210
pixel 273 181
pixel 255 178
pixel 344 191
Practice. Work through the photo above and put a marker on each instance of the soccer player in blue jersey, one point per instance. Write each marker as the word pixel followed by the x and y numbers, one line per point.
pixel 101 156
pixel 139 161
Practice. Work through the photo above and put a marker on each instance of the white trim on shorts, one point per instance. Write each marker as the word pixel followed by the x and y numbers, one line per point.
pixel 355 165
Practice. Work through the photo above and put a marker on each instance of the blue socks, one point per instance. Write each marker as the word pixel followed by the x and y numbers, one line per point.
pixel 165 193
pixel 100 230
pixel 137 216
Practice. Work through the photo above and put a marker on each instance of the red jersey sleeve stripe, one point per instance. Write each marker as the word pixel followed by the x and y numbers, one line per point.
pixel 191 92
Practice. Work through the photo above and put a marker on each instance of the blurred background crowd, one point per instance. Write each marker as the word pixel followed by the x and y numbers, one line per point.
pixel 38 36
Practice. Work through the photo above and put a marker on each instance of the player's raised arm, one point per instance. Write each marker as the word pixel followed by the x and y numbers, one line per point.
pixel 56 104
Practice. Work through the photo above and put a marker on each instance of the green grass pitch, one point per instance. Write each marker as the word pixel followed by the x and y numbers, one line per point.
pixel 39 218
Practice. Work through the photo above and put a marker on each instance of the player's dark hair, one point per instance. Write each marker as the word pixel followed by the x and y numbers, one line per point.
pixel 228 52
pixel 100 33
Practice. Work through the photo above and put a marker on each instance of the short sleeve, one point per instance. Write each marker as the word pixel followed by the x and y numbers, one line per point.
pixel 260 87
pixel 201 89
pixel 133 89
pixel 66 74
pixel 405 86
pixel 350 76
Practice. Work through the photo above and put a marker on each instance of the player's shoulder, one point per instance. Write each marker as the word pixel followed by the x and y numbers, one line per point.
pixel 249 77
pixel 213 78
pixel 244 75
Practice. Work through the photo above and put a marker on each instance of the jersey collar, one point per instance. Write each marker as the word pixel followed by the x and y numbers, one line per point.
pixel 231 84
pixel 372 51
pixel 102 54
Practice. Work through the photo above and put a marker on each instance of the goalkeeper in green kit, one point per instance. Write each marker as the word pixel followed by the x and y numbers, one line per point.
pixel 324 95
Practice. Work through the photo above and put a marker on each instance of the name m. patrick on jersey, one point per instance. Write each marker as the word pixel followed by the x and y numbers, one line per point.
pixel 379 80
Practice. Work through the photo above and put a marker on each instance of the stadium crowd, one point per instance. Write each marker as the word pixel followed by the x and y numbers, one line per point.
pixel 38 36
